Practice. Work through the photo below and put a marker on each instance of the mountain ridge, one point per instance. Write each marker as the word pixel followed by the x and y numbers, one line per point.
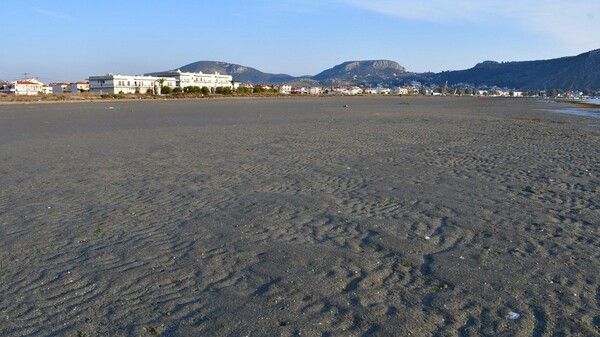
pixel 583 70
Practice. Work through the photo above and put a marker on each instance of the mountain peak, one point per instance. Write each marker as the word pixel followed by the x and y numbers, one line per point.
pixel 487 64
pixel 365 72
pixel 375 64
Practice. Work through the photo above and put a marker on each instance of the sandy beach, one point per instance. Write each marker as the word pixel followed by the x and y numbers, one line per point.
pixel 345 216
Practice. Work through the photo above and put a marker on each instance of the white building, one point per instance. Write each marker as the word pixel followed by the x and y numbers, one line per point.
pixel 66 87
pixel 285 89
pixel 382 91
pixel 199 79
pixel 126 84
pixel 346 90
pixel 315 91
pixel 79 86
pixel 27 87
pixel 400 91
pixel 47 89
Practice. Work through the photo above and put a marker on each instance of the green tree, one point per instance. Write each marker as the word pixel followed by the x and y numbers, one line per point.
pixel 166 90
pixel 205 91
pixel 161 82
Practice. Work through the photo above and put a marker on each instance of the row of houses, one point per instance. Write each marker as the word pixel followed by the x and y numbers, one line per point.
pixel 347 90
pixel 32 86
pixel 117 84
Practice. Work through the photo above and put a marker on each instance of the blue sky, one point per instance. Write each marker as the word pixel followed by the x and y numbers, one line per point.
pixel 70 40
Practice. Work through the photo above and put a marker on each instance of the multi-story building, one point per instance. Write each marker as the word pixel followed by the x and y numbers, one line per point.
pixel 126 84
pixel 27 87
pixel 285 89
pixel 199 79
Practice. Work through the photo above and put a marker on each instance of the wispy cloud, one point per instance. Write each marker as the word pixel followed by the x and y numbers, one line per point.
pixel 48 13
pixel 575 22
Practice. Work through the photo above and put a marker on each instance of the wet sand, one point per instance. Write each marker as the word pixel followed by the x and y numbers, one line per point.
pixel 283 217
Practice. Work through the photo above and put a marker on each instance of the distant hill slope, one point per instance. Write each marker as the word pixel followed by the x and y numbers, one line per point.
pixel 582 70
pixel 239 73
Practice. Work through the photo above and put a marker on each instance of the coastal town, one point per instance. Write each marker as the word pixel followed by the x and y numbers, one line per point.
pixel 176 81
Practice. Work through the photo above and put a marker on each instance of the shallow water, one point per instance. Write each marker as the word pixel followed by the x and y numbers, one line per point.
pixel 592 101
pixel 595 113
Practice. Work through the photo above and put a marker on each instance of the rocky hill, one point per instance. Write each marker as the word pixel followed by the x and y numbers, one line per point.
pixel 368 73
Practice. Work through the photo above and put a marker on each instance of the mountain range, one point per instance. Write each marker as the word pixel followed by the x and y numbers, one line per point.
pixel 582 70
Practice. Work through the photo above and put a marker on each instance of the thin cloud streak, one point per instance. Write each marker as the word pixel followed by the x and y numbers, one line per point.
pixel 573 23
pixel 48 13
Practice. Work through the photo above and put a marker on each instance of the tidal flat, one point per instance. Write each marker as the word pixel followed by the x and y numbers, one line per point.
pixel 343 216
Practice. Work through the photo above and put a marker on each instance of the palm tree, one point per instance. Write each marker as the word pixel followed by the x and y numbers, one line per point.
pixel 161 82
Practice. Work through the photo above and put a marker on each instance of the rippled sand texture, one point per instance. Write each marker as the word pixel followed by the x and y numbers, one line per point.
pixel 388 217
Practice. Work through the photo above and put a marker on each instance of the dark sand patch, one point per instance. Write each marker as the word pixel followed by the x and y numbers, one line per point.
pixel 298 216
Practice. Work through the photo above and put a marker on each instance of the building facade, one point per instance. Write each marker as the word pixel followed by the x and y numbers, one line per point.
pixel 199 79
pixel 80 86
pixel 60 87
pixel 47 89
pixel 126 84
pixel 26 87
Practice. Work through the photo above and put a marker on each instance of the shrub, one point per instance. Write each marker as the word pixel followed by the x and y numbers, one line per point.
pixel 223 90
pixel 166 90
pixel 192 89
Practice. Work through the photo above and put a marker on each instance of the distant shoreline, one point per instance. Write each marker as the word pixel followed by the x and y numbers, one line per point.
pixel 87 98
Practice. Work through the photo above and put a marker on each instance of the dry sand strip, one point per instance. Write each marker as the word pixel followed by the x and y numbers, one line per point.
pixel 314 217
